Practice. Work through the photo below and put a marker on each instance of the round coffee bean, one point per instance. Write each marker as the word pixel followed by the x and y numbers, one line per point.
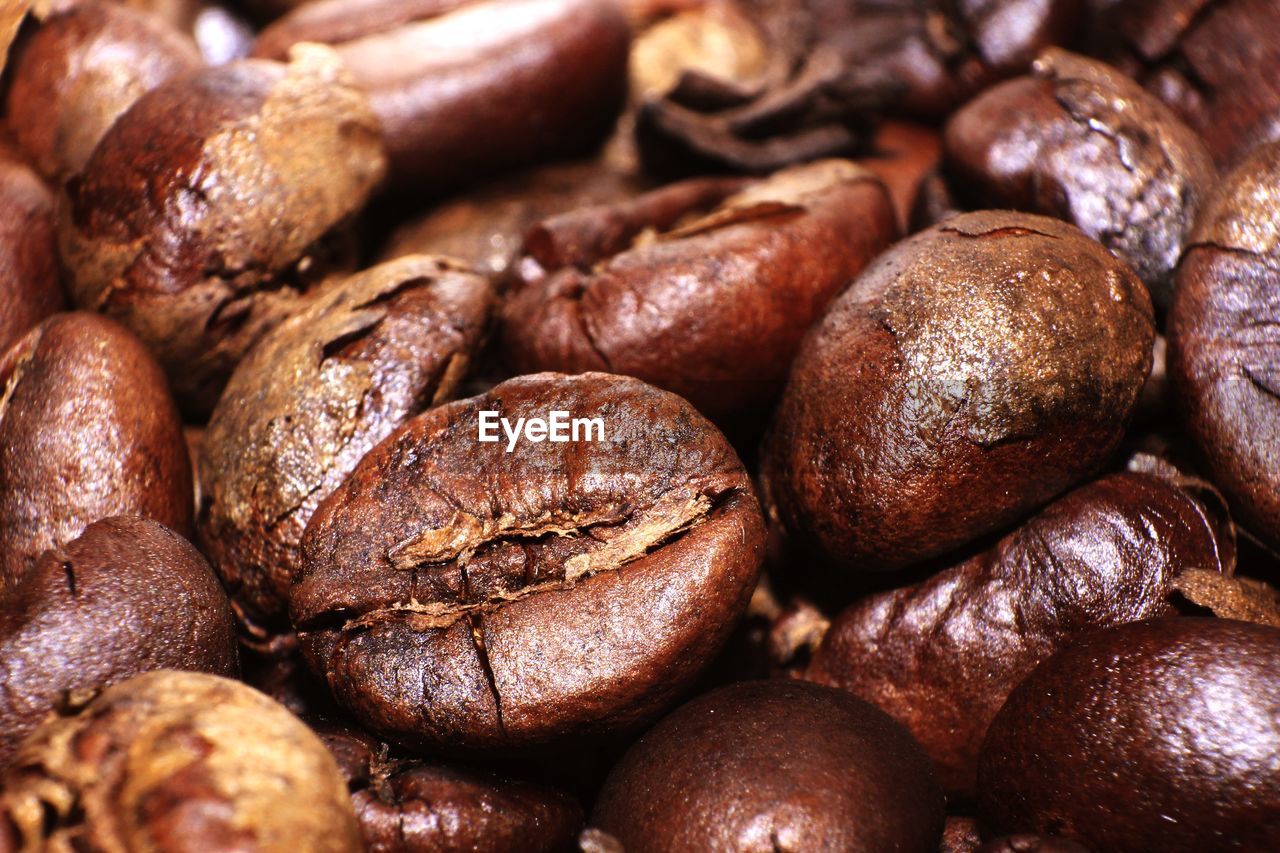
pixel 87 430
pixel 971 373
pixel 1224 340
pixel 126 596
pixel 774 765
pixel 1160 735
pixel 29 286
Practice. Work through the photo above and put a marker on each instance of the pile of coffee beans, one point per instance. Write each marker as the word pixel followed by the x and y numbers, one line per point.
pixel 639 425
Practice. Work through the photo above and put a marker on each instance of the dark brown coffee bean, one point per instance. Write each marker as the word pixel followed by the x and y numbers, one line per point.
pixel 971 373
pixel 485 228
pixel 774 765
pixel 1210 60
pixel 460 594
pixel 411 804
pixel 178 761
pixel 1224 340
pixel 466 88
pixel 316 394
pixel 712 306
pixel 201 218
pixel 29 286
pixel 87 430
pixel 126 596
pixel 1160 735
pixel 941 656
pixel 1080 141
pixel 902 156
pixel 82 68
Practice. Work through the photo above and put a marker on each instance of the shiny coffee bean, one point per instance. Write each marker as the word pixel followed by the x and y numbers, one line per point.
pixel 126 596
pixel 1224 340
pixel 773 765
pixel 1159 735
pixel 971 373
pixel 87 430
pixel 29 286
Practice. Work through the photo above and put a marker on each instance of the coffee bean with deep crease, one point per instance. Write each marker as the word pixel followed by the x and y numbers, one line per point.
pixel 1080 141
pixel 178 761
pixel 1224 340
pixel 940 656
pixel 774 766
pixel 317 393
pixel 714 304
pixel 464 89
pixel 1158 735
pixel 973 372
pixel 126 596
pixel 87 430
pixel 416 804
pixel 461 596
pixel 29 285
pixel 213 206
pixel 82 67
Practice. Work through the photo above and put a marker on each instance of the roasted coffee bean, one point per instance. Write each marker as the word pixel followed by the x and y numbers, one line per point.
pixel 1211 60
pixel 971 373
pixel 466 88
pixel 1224 340
pixel 82 68
pixel 412 804
pixel 202 217
pixel 940 656
pixel 87 430
pixel 485 228
pixel 29 286
pixel 1160 735
pixel 1080 141
pixel 178 761
pixel 902 156
pixel 126 596
pixel 713 305
pixel 484 595
pixel 316 394
pixel 1031 843
pixel 774 765
pixel 960 835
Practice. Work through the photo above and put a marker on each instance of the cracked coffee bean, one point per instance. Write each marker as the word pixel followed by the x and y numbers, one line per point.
pixel 212 205
pixel 1224 340
pixel 485 228
pixel 1159 735
pixel 87 430
pixel 940 656
pixel 412 804
pixel 178 761
pixel 79 70
pixel 316 394
pixel 1211 60
pixel 970 374
pixel 704 288
pixel 127 596
pixel 463 89
pixel 460 595
pixel 1079 141
pixel 774 765
pixel 29 287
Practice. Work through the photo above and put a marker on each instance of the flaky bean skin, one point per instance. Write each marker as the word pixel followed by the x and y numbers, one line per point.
pixel 460 596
